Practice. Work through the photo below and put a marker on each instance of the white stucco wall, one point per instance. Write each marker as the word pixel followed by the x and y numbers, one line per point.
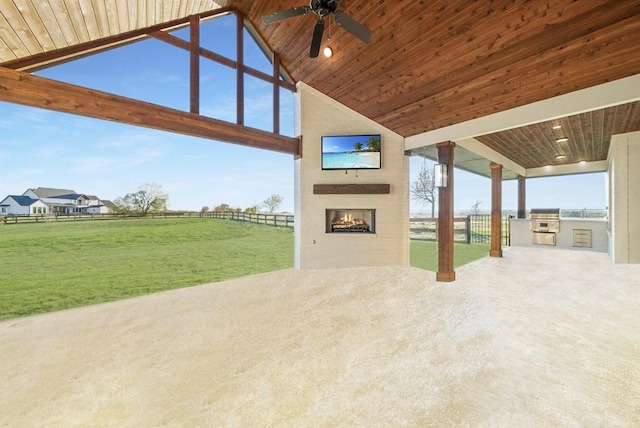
pixel 624 197
pixel 319 115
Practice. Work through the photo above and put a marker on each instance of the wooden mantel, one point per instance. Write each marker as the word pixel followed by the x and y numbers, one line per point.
pixel 23 88
pixel 351 189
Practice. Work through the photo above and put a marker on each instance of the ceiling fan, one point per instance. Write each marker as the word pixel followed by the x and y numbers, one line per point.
pixel 322 8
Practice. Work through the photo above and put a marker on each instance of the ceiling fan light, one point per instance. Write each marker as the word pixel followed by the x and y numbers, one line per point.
pixel 328 52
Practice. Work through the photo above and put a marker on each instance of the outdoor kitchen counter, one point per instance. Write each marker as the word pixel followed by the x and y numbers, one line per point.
pixel 574 234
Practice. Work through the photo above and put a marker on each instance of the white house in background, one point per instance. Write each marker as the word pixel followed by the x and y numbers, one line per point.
pixel 22 205
pixel 46 200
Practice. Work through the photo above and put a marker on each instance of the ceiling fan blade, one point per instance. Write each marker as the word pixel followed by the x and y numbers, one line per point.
pixel 352 26
pixel 285 14
pixel 316 41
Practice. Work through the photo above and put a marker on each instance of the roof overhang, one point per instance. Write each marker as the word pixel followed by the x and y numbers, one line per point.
pixel 475 157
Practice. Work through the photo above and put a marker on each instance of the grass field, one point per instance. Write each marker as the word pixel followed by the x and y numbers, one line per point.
pixel 52 266
pixel 424 254
pixel 58 265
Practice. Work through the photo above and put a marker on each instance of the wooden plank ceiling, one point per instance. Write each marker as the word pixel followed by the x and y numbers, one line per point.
pixel 582 137
pixel 428 65
pixel 33 28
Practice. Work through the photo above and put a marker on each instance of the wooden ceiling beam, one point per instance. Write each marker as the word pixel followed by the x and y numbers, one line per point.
pixel 23 88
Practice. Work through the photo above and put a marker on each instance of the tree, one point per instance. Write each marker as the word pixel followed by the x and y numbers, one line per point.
pixel 253 209
pixel 222 208
pixel 204 209
pixel 373 144
pixel 120 206
pixel 423 189
pixel 272 202
pixel 357 147
pixel 475 208
pixel 150 197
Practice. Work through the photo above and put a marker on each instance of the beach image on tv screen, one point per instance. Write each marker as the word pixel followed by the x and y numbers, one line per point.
pixel 351 152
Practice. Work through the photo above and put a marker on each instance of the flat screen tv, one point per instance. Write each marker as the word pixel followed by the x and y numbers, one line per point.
pixel 351 152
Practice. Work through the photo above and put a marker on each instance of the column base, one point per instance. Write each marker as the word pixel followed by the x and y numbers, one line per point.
pixel 445 276
pixel 495 253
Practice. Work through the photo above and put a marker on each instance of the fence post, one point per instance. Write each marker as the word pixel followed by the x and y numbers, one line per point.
pixel 468 228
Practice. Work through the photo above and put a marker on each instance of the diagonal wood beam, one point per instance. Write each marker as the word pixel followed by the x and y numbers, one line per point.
pixel 23 88
pixel 45 59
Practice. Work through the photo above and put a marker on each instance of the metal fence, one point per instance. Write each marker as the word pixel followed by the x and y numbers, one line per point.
pixel 472 229
pixel 479 229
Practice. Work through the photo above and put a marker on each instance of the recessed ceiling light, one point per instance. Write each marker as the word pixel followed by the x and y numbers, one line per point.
pixel 562 140
pixel 560 156
pixel 557 127
pixel 328 52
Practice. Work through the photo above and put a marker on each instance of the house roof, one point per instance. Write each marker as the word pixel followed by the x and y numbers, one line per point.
pixel 49 192
pixel 429 65
pixel 107 203
pixel 23 201
pixel 69 196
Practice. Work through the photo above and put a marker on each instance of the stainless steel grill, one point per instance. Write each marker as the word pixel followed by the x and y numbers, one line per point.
pixel 545 223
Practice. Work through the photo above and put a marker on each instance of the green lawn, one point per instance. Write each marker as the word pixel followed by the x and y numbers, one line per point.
pixel 49 266
pixel 52 266
pixel 424 254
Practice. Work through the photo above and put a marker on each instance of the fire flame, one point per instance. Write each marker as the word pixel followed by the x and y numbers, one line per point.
pixel 348 220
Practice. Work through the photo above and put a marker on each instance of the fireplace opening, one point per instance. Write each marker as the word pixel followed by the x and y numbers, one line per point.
pixel 351 220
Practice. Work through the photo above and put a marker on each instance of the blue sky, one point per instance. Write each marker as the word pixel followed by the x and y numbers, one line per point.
pixel 50 149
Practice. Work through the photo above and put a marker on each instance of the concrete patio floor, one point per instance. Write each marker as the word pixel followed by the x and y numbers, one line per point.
pixel 540 337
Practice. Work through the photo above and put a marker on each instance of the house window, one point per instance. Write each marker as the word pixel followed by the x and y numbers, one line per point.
pixel 4 210
pixel 34 210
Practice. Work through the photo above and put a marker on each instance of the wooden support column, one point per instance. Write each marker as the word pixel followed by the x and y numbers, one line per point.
pixel 194 63
pixel 240 69
pixel 276 93
pixel 446 271
pixel 522 200
pixel 496 210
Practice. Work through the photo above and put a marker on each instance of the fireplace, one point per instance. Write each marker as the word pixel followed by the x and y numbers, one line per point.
pixel 348 220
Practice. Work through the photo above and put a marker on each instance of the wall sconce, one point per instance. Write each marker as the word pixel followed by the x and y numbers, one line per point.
pixel 440 175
